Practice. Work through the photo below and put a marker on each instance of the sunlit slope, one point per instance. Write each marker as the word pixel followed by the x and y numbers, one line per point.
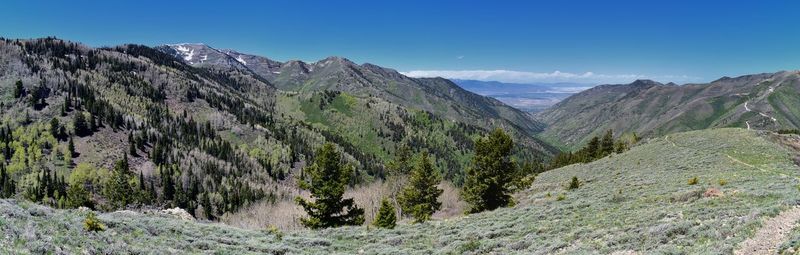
pixel 636 201
pixel 768 101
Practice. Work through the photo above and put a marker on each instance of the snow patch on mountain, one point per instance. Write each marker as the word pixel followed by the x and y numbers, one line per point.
pixel 239 58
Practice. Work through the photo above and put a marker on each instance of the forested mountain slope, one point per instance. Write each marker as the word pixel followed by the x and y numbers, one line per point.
pixel 207 139
pixel 641 201
pixel 762 101
pixel 436 95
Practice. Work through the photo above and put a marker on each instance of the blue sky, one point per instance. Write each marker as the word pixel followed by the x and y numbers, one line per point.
pixel 516 41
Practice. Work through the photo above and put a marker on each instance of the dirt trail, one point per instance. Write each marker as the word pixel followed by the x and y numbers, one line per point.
pixel 773 232
pixel 747 109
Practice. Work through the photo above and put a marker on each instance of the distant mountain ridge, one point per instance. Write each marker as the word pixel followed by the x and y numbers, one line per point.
pixel 760 101
pixel 437 95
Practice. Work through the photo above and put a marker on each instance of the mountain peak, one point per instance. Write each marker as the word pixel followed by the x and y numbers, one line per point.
pixel 644 82
pixel 185 44
pixel 334 60
pixel 200 54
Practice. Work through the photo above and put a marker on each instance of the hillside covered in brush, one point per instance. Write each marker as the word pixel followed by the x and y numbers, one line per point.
pixel 436 95
pixel 208 139
pixel 700 192
pixel 768 101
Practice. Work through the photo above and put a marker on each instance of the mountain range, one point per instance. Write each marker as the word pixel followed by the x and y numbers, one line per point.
pixel 768 101
pixel 226 129
pixel 131 130
pixel 437 95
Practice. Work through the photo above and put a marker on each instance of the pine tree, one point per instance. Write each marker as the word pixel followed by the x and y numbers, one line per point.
pixel 91 123
pixel 420 198
pixel 328 179
pixel 19 91
pixel 81 127
pixel 71 146
pixel 118 190
pixel 167 184
pixel 78 196
pixel 54 127
pixel 401 165
pixel 7 188
pixel 67 103
pixel 487 182
pixel 205 202
pixel 386 217
pixel 607 144
pixel 591 150
pixel 131 145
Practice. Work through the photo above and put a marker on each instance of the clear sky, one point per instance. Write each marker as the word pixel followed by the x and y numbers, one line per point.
pixel 521 41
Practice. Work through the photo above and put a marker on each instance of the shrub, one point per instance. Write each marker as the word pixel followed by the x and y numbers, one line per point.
pixel 561 197
pixel 722 182
pixel 469 246
pixel 693 181
pixel 574 184
pixel 92 223
pixel 618 197
pixel 272 229
pixel 789 131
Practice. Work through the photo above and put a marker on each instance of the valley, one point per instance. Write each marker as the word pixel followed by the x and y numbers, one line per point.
pixel 230 142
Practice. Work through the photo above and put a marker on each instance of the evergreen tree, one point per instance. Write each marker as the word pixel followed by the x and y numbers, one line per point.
pixel 606 144
pixel 205 202
pixel 54 127
pixel 401 165
pixel 19 91
pixel 487 182
pixel 118 190
pixel 78 196
pixel 7 187
pixel 71 146
pixel 620 147
pixel 131 145
pixel 67 103
pixel 591 150
pixel 92 123
pixel 328 178
pixel 167 184
pixel 386 217
pixel 81 127
pixel 398 170
pixel 574 183
pixel 420 198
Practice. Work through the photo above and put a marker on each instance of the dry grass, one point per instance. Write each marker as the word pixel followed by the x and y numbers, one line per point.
pixel 285 214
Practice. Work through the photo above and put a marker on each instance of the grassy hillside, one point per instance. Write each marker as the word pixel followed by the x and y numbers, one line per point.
pixel 640 200
pixel 378 127
pixel 761 101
